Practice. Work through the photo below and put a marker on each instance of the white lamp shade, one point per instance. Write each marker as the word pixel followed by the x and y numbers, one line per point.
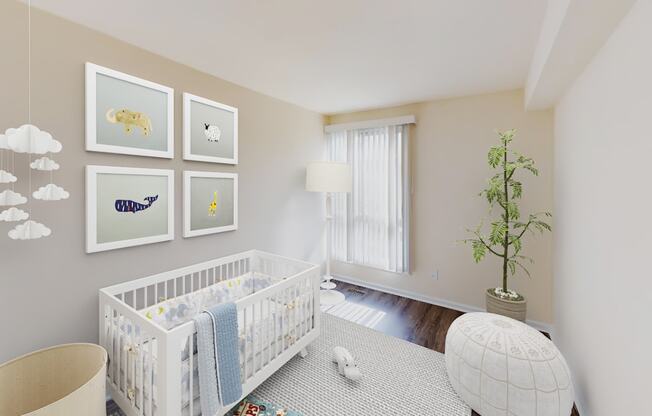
pixel 329 177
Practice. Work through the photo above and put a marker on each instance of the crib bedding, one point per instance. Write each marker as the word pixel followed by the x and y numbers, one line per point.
pixel 170 313
pixel 262 323
pixel 299 307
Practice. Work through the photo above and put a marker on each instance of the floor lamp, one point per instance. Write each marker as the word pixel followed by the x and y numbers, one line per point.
pixel 329 177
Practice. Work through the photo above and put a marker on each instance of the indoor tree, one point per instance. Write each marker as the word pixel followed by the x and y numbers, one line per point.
pixel 505 238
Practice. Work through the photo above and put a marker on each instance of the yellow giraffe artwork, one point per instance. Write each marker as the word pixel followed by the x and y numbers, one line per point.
pixel 212 208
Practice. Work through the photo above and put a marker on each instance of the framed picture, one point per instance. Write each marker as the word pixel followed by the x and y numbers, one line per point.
pixel 210 131
pixel 128 207
pixel 128 115
pixel 210 203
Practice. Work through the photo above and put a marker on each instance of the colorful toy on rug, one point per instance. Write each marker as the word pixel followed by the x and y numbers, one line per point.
pixel 251 406
pixel 346 365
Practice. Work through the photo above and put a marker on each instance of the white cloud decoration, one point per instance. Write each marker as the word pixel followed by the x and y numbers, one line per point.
pixel 29 230
pixel 9 197
pixel 50 192
pixel 30 139
pixel 7 177
pixel 13 214
pixel 44 163
pixel 4 145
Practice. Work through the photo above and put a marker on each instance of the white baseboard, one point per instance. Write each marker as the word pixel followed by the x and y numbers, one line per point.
pixel 541 326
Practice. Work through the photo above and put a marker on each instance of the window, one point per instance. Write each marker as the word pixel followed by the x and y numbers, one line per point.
pixel 370 225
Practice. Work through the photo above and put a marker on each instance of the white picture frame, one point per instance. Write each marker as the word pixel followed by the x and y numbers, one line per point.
pixel 95 145
pixel 188 176
pixel 188 154
pixel 92 172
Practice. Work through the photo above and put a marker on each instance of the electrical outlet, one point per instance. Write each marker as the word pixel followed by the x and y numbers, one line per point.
pixel 435 275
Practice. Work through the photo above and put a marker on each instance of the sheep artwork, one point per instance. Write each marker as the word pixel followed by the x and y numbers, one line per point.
pixel 346 365
pixel 212 132
pixel 130 119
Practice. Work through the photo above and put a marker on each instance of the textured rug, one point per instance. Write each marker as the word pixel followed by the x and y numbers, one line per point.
pixel 112 409
pixel 398 377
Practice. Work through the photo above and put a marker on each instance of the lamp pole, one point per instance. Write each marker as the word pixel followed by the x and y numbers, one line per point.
pixel 327 295
pixel 327 178
pixel 328 285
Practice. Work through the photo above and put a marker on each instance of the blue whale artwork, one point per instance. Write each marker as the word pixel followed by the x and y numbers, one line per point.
pixel 127 205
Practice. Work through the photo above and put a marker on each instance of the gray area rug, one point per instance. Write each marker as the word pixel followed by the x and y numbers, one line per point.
pixel 398 377
pixel 112 409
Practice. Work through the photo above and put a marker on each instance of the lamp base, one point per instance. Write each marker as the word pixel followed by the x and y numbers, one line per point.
pixel 328 285
pixel 330 297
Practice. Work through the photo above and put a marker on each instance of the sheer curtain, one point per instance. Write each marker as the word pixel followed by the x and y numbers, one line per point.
pixel 370 225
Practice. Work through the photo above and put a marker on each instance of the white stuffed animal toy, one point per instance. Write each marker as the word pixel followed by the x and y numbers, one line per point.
pixel 346 365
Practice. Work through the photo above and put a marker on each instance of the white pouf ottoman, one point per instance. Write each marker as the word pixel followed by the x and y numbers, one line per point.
pixel 500 366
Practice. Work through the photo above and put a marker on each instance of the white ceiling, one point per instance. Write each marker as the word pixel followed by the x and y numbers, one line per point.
pixel 332 56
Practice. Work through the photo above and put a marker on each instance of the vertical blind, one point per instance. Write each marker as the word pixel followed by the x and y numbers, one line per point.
pixel 370 226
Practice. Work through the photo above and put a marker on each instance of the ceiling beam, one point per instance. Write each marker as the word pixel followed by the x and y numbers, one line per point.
pixel 571 34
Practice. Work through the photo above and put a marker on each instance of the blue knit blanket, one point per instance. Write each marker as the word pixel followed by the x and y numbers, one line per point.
pixel 218 357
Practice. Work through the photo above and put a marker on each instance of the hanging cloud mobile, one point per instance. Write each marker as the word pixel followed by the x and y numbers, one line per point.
pixel 50 192
pixel 13 214
pixel 30 139
pixel 10 198
pixel 4 145
pixel 44 163
pixel 7 177
pixel 29 230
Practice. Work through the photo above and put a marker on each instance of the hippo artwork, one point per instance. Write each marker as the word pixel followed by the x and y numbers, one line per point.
pixel 130 119
pixel 128 115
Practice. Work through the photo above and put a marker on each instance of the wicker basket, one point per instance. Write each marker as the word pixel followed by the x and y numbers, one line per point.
pixel 66 380
pixel 515 309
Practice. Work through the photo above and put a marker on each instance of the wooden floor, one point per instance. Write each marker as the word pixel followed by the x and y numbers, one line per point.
pixel 411 320
pixel 417 322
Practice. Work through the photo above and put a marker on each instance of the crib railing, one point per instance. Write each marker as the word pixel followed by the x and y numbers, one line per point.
pixel 131 342
pixel 142 293
pixel 278 322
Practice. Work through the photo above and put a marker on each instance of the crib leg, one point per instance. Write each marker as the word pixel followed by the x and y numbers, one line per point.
pixel 303 353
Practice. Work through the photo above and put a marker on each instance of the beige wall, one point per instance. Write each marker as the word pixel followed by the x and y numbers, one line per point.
pixel 602 285
pixel 449 146
pixel 48 287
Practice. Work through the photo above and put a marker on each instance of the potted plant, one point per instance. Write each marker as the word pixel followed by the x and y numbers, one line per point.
pixel 505 238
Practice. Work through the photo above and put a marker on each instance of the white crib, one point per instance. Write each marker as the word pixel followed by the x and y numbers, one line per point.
pixel 153 370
